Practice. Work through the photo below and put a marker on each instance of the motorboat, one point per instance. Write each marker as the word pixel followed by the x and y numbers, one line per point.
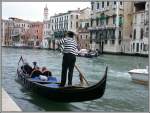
pixel 140 75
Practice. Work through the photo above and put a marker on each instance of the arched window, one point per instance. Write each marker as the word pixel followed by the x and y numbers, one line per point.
pixel 141 33
pixel 134 35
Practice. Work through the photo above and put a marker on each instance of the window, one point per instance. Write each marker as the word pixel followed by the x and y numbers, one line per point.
pixel 119 34
pixel 145 48
pixel 76 16
pixel 141 46
pixel 147 31
pixel 141 34
pixel 105 41
pixel 119 42
pixel 76 24
pixel 81 36
pixel 107 3
pixel 120 20
pixel 87 24
pixel 135 19
pixel 71 24
pixel 113 41
pixel 114 2
pixel 114 19
pixel 113 36
pixel 134 35
pixel 137 47
pixel 133 46
pixel 86 45
pixel 107 20
pixel 86 36
pixel 102 4
pixel 52 27
pixel 71 16
pixel 120 3
pixel 92 5
pixel 98 5
pixel 97 21
pixel 91 22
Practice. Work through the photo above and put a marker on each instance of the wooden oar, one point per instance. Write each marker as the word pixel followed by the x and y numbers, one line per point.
pixel 81 74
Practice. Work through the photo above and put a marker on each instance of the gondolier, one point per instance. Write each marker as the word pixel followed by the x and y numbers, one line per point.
pixel 69 57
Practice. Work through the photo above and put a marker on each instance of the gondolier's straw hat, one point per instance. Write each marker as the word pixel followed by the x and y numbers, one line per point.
pixel 70 33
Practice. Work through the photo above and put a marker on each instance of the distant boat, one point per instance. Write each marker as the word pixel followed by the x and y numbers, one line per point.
pixel 87 53
pixel 139 75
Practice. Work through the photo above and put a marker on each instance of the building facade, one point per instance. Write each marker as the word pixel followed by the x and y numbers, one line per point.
pixel 62 22
pixel 19 32
pixel 139 42
pixel 36 33
pixel 19 29
pixel 6 32
pixel 83 38
pixel 106 29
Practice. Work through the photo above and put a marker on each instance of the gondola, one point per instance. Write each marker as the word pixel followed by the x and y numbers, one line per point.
pixel 52 90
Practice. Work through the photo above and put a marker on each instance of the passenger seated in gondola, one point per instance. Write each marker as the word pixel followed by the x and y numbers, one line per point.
pixel 46 72
pixel 27 69
pixel 35 72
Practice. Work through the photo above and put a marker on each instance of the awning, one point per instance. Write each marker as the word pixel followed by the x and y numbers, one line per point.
pixel 59 34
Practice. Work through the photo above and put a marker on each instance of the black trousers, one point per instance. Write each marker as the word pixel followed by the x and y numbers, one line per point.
pixel 67 65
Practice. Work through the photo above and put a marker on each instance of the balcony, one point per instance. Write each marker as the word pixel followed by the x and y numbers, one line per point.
pixel 91 28
pixel 102 27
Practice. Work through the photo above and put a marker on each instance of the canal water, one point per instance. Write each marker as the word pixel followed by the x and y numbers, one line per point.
pixel 121 93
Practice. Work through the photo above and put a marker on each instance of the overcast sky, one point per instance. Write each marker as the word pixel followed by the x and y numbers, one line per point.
pixel 34 10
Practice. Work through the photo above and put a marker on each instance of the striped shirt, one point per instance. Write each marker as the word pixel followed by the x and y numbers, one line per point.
pixel 69 45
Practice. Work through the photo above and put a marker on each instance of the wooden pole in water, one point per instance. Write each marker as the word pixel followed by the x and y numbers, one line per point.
pixel 81 74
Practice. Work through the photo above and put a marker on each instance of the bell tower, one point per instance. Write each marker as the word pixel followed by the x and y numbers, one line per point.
pixel 45 13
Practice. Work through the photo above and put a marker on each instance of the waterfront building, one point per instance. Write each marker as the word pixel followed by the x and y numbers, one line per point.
pixel 19 29
pixel 106 29
pixel 46 29
pixel 139 42
pixel 35 34
pixel 127 23
pixel 19 32
pixel 62 22
pixel 6 32
pixel 83 38
pixel 3 27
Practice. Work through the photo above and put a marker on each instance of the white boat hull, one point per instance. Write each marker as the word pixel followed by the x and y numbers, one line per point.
pixel 139 75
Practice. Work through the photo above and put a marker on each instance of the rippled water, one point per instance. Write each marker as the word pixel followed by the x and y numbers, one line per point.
pixel 121 93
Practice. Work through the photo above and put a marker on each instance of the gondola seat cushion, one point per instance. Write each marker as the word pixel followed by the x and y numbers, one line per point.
pixel 44 78
pixel 50 79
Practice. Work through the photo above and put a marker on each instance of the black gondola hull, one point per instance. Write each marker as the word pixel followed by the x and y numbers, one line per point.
pixel 65 94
